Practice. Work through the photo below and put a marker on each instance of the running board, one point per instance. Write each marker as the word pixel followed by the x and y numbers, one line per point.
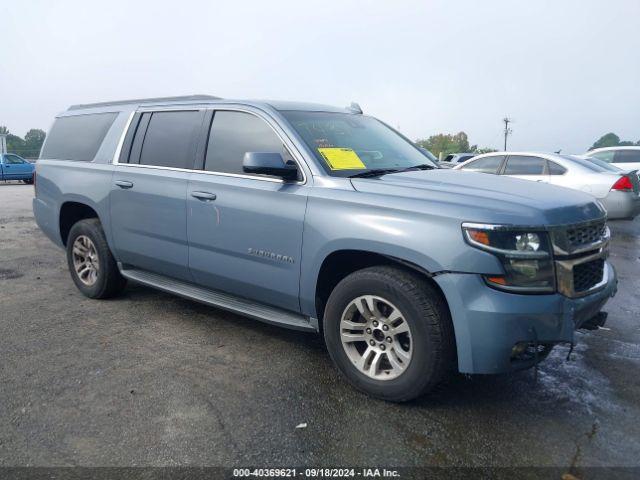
pixel 242 306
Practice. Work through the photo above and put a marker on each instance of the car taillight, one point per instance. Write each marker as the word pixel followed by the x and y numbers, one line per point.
pixel 623 183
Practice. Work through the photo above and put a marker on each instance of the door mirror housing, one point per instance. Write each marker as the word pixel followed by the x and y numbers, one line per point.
pixel 268 163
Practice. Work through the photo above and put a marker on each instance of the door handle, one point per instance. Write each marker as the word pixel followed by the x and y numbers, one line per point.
pixel 124 184
pixel 203 195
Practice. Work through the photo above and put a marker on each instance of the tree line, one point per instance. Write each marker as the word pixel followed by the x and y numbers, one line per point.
pixel 446 143
pixel 27 147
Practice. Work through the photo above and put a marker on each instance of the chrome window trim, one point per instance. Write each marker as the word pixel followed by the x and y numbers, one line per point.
pixel 287 143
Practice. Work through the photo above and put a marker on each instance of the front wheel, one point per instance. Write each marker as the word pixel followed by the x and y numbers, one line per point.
pixel 91 264
pixel 390 333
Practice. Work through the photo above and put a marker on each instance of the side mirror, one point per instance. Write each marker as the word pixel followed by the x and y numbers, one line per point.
pixel 265 163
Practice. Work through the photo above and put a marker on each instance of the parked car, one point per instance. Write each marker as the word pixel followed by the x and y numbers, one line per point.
pixel 325 220
pixel 14 167
pixel 627 158
pixel 616 190
pixel 453 159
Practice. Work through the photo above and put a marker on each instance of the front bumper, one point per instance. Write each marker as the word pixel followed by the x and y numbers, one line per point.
pixel 488 322
pixel 621 205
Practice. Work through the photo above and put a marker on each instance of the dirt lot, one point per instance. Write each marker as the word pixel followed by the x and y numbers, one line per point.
pixel 151 379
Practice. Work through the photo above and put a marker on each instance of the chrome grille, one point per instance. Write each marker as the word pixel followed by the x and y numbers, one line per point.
pixel 587 275
pixel 584 235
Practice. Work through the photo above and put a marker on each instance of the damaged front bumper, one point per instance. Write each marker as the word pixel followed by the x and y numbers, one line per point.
pixel 489 323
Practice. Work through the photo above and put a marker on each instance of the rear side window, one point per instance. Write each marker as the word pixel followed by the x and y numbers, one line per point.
pixel 606 156
pixel 78 137
pixel 555 169
pixel 627 156
pixel 524 165
pixel 170 139
pixel 485 165
pixel 235 133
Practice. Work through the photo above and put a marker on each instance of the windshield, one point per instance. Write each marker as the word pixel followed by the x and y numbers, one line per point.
pixel 346 144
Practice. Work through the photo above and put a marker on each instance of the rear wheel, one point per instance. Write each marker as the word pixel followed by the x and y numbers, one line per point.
pixel 28 181
pixel 389 332
pixel 91 264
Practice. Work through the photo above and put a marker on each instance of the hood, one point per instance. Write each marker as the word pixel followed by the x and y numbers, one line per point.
pixel 482 197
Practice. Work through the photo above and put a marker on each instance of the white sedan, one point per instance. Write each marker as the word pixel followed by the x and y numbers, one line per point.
pixel 617 190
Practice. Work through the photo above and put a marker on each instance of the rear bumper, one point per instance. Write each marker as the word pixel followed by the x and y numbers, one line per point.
pixel 621 205
pixel 488 323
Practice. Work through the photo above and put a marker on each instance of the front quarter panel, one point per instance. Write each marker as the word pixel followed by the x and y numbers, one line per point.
pixel 344 219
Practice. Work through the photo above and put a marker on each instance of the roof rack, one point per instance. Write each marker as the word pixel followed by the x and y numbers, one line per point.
pixel 184 98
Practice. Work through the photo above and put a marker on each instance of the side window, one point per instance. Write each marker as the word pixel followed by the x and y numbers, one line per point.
pixel 235 133
pixel 77 137
pixel 627 156
pixel 13 159
pixel 524 165
pixel 485 165
pixel 555 169
pixel 606 156
pixel 170 139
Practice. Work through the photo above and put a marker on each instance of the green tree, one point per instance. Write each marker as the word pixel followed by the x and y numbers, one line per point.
pixel 3 129
pixel 29 147
pixel 608 140
pixel 446 143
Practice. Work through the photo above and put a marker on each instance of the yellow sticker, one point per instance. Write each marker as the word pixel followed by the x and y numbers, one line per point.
pixel 341 158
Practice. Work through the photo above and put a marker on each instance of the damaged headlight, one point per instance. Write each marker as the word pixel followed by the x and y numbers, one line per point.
pixel 525 255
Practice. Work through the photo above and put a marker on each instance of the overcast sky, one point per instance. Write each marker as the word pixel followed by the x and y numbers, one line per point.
pixel 566 71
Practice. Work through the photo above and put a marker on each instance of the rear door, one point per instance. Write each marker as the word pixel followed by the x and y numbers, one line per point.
pixel 627 159
pixel 526 167
pixel 148 195
pixel 245 231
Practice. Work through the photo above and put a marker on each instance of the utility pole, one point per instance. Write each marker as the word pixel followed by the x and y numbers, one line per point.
pixel 507 130
pixel 3 143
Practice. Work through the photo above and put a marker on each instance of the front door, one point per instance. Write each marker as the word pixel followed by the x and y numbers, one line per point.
pixel 148 195
pixel 16 168
pixel 245 232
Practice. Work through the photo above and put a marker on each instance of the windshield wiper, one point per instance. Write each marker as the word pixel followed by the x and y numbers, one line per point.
pixel 422 166
pixel 375 172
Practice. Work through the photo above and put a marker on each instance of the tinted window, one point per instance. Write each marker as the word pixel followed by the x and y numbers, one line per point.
pixel 485 165
pixel 555 169
pixel 235 133
pixel 464 158
pixel 524 165
pixel 606 156
pixel 627 156
pixel 170 140
pixel 78 137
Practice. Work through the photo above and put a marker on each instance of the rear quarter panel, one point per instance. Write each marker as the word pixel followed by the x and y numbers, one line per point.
pixel 61 181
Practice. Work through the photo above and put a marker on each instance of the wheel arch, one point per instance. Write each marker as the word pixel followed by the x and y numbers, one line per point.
pixel 339 263
pixel 71 212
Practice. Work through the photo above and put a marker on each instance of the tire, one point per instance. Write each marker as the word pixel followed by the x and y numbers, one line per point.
pixel 104 279
pixel 429 343
pixel 28 181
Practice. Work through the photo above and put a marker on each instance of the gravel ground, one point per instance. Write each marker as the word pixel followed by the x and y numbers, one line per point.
pixel 152 379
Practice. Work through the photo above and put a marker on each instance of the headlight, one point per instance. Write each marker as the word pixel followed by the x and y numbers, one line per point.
pixel 525 255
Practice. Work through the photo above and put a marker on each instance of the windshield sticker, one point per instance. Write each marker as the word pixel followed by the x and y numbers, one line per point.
pixel 341 158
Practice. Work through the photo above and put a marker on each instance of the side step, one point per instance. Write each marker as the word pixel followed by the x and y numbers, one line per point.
pixel 225 301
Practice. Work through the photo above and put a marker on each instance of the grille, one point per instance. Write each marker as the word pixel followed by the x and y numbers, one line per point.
pixel 586 275
pixel 580 236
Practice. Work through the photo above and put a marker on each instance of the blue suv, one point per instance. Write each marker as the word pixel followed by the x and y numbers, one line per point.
pixel 325 220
